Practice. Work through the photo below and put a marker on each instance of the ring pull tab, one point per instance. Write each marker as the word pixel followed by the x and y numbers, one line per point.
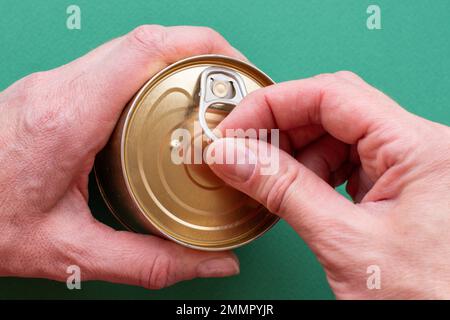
pixel 218 86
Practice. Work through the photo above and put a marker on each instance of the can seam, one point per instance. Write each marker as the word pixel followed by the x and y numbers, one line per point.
pixel 130 111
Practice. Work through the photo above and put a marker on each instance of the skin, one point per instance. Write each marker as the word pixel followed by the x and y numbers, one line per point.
pixel 336 128
pixel 53 124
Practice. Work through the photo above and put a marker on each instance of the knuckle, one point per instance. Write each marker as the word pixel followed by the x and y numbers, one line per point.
pixel 211 40
pixel 210 33
pixel 34 79
pixel 326 77
pixel 42 119
pixel 351 76
pixel 148 37
pixel 42 114
pixel 337 79
pixel 347 75
pixel 159 273
pixel 334 91
pixel 279 190
pixel 27 89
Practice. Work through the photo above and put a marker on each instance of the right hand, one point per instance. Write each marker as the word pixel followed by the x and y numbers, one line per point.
pixel 397 168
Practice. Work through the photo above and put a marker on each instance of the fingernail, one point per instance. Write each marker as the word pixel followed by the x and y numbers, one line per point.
pixel 218 268
pixel 232 159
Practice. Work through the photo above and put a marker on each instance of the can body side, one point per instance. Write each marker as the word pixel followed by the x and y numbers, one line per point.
pixel 117 175
pixel 110 178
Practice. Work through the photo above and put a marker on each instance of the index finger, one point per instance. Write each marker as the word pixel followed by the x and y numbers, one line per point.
pixel 343 107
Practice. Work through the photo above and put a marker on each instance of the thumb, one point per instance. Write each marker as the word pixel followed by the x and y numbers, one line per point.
pixel 148 261
pixel 280 183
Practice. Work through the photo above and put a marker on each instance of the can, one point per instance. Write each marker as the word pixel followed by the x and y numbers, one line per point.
pixel 149 192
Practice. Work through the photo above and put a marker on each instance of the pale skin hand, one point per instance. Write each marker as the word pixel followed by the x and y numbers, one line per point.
pixel 52 125
pixel 397 168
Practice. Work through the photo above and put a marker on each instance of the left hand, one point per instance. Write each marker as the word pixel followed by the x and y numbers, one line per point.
pixel 52 126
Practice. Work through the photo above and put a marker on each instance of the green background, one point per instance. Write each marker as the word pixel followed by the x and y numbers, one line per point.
pixel 409 59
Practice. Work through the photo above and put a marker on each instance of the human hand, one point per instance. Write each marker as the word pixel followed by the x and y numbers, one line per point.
pixel 52 125
pixel 397 167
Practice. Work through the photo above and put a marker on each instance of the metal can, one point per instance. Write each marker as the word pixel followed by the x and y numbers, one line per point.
pixel 149 193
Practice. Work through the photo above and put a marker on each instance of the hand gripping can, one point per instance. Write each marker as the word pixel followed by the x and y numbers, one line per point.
pixel 150 192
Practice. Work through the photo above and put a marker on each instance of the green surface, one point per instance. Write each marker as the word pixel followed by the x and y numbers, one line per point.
pixel 409 59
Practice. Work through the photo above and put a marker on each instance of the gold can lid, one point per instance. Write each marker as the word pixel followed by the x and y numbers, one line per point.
pixel 186 201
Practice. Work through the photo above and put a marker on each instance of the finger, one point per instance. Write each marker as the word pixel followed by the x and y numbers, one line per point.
pixel 288 188
pixel 98 85
pixel 285 142
pixel 358 184
pixel 342 108
pixel 341 175
pixel 148 261
pixel 302 136
pixel 324 156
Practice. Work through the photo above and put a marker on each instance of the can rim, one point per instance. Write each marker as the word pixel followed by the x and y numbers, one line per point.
pixel 133 104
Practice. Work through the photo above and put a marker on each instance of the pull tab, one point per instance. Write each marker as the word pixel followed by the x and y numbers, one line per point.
pixel 218 85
